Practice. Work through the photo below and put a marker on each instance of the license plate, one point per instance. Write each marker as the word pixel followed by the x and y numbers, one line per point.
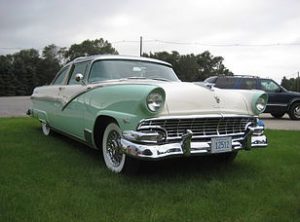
pixel 221 144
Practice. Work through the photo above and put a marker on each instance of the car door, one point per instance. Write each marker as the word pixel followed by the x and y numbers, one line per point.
pixel 278 98
pixel 72 106
pixel 51 92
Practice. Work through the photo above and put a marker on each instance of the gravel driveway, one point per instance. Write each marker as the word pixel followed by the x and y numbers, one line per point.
pixel 17 106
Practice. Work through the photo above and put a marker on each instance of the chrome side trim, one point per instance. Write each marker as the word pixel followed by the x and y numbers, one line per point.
pixel 277 104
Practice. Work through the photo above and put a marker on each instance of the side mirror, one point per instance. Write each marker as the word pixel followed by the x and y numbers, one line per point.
pixel 78 77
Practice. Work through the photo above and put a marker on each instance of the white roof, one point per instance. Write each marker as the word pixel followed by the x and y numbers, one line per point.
pixel 119 57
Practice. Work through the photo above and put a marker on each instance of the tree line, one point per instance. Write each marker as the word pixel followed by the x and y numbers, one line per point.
pixel 21 72
pixel 292 84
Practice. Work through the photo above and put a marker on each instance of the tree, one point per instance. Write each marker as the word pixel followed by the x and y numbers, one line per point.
pixel 50 64
pixel 21 72
pixel 90 47
pixel 8 83
pixel 291 84
pixel 193 67
pixel 25 69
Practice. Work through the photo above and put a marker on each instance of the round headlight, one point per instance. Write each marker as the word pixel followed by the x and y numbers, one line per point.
pixel 261 103
pixel 155 101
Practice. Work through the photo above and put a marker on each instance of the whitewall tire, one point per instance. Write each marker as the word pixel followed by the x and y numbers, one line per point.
pixel 46 129
pixel 113 157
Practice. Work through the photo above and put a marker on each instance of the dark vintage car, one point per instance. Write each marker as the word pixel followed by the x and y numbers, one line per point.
pixel 281 101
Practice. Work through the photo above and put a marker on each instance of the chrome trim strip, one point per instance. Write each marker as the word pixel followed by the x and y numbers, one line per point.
pixel 277 104
pixel 208 136
pixel 221 115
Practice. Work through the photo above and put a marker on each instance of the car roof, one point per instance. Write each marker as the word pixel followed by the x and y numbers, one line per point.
pixel 237 77
pixel 118 57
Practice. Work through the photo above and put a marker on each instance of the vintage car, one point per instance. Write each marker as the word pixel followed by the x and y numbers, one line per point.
pixel 135 108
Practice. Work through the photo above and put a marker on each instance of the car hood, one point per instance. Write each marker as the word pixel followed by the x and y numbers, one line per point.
pixel 189 98
pixel 294 93
pixel 184 98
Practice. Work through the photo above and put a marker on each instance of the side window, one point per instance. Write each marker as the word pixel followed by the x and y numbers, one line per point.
pixel 78 68
pixel 248 83
pixel 226 83
pixel 211 79
pixel 60 77
pixel 269 85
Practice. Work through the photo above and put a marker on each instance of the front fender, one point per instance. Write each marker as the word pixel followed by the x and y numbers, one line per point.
pixel 124 103
pixel 126 121
pixel 294 100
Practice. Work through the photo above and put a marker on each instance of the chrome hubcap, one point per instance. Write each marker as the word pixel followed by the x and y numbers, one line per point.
pixel 113 148
pixel 297 111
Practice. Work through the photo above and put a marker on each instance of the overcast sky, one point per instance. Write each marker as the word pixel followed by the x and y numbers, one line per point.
pixel 255 37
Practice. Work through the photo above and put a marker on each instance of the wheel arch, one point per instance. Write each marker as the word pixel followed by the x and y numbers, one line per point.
pixel 101 123
pixel 292 102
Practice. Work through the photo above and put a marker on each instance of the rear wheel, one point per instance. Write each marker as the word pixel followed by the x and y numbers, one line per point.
pixel 115 160
pixel 277 115
pixel 294 111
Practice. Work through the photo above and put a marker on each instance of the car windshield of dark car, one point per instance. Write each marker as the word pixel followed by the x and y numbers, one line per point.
pixel 127 69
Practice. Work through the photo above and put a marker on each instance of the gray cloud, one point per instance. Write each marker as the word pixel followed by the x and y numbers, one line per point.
pixel 37 23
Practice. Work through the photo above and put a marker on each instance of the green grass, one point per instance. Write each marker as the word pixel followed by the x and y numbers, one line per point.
pixel 55 179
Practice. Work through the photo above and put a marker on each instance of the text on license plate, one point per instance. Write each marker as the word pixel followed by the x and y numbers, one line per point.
pixel 221 144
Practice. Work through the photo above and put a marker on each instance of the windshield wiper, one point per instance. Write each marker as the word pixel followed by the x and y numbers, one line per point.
pixel 160 79
pixel 142 77
pixel 136 77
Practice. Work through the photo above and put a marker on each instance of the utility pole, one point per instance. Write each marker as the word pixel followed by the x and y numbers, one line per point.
pixel 141 45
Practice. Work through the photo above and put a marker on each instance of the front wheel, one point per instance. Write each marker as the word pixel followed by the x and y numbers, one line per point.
pixel 294 111
pixel 115 160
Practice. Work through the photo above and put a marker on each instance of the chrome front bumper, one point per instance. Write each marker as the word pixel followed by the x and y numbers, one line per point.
pixel 131 145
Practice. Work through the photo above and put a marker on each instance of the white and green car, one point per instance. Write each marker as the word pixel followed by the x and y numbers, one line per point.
pixel 135 108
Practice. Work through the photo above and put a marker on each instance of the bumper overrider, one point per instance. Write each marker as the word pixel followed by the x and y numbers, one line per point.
pixel 140 144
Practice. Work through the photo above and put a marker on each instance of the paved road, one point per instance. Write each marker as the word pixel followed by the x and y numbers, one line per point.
pixel 14 106
pixel 17 106
pixel 285 123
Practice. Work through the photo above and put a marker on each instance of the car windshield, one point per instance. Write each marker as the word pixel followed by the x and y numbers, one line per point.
pixel 127 69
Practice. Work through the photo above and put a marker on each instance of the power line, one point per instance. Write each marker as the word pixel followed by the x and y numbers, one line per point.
pixel 211 45
pixel 185 43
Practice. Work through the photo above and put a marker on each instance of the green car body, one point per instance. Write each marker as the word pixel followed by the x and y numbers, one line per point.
pixel 112 102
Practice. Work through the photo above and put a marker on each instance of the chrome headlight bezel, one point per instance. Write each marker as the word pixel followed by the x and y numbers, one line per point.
pixel 155 100
pixel 260 103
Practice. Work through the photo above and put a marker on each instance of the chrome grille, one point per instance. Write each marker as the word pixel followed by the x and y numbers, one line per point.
pixel 206 127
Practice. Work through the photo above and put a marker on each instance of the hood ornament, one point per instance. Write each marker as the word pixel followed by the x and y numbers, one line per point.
pixel 217 99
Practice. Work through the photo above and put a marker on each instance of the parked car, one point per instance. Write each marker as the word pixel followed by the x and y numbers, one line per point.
pixel 281 101
pixel 135 108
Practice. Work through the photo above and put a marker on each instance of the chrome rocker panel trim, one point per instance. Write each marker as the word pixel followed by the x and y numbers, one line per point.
pixel 186 147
